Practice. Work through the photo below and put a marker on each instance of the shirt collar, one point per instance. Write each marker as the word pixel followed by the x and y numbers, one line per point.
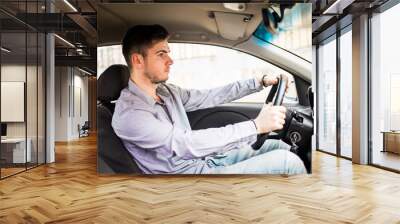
pixel 161 90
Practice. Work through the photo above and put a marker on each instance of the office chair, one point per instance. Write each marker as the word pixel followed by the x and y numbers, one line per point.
pixel 84 129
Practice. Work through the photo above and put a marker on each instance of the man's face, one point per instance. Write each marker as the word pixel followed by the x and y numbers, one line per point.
pixel 157 62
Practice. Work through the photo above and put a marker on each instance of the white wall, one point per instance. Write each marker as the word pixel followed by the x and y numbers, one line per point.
pixel 61 103
pixel 79 117
pixel 70 83
pixel 14 73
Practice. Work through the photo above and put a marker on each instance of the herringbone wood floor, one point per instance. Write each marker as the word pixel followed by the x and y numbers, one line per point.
pixel 70 191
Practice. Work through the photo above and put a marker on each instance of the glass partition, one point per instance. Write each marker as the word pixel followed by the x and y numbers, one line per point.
pixel 385 89
pixel 14 153
pixel 22 87
pixel 327 98
pixel 346 93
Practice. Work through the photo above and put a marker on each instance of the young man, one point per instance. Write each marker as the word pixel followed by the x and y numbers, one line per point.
pixel 150 118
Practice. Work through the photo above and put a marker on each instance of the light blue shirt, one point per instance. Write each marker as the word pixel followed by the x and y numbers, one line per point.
pixel 159 136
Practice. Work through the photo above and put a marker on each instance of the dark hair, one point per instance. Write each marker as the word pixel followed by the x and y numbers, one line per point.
pixel 139 38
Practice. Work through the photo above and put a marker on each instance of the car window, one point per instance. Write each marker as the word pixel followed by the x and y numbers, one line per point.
pixel 199 66
pixel 107 56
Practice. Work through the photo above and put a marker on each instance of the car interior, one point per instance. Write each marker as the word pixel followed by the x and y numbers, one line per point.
pixel 220 24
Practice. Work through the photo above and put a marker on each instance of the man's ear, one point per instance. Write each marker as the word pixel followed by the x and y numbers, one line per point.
pixel 137 60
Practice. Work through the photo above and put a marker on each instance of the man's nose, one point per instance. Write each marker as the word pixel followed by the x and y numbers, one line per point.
pixel 170 61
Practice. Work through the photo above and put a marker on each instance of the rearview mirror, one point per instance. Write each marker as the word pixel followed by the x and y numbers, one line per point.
pixel 271 18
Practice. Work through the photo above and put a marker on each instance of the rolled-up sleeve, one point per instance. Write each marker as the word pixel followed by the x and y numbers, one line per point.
pixel 143 129
pixel 199 99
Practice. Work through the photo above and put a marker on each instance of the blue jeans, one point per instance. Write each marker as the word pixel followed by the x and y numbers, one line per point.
pixel 273 157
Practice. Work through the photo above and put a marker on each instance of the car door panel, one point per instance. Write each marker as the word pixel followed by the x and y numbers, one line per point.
pixel 223 115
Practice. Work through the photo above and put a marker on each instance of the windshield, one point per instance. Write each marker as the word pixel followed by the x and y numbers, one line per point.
pixel 293 33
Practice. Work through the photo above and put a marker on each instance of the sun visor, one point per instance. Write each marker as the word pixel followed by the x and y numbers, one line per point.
pixel 232 26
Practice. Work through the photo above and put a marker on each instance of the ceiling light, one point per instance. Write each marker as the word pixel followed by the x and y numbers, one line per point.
pixel 5 50
pixel 84 71
pixel 70 5
pixel 338 6
pixel 65 41
pixel 80 45
pixel 80 51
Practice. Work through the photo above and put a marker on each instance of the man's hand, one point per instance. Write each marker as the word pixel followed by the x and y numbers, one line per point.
pixel 270 118
pixel 268 80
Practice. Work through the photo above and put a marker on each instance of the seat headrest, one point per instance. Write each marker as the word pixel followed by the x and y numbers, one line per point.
pixel 111 82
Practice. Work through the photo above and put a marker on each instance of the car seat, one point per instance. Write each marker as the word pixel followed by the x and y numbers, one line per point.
pixel 112 156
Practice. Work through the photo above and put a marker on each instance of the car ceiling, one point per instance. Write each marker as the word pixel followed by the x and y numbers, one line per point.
pixel 210 23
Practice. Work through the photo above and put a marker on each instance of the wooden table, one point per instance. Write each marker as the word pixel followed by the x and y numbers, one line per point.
pixel 391 141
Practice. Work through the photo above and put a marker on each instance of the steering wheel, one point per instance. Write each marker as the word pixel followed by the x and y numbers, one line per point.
pixel 278 91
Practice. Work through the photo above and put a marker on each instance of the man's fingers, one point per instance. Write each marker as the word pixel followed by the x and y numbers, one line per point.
pixel 278 119
pixel 279 114
pixel 282 119
pixel 278 125
pixel 287 83
pixel 282 116
pixel 266 106
pixel 272 117
pixel 281 109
